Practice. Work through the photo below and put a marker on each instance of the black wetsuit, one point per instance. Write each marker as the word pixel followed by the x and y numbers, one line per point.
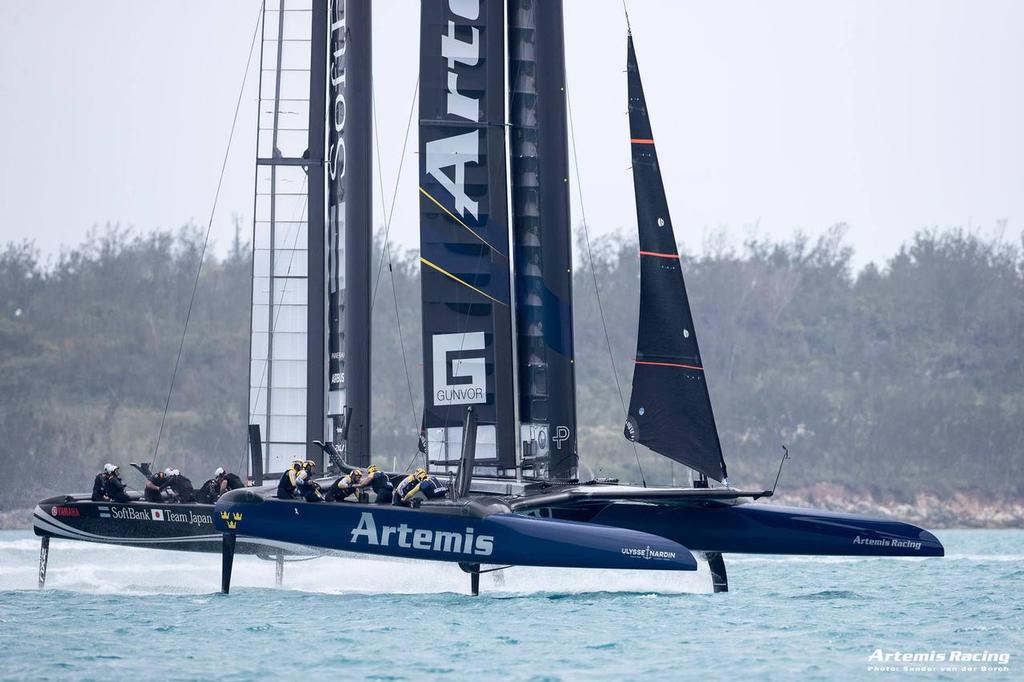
pixel 99 487
pixel 382 485
pixel 114 488
pixel 208 492
pixel 234 482
pixel 152 494
pixel 182 488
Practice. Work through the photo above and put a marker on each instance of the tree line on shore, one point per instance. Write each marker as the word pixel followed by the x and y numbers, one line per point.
pixel 893 379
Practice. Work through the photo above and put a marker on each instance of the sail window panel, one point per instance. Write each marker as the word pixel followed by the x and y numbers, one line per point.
pixel 287 401
pixel 258 400
pixel 291 235
pixel 261 290
pixel 281 455
pixel 257 374
pixel 261 236
pixel 292 134
pixel 288 206
pixel 288 347
pixel 288 374
pixel 260 342
pixel 260 317
pixel 288 428
pixel 294 86
pixel 290 291
pixel 286 179
pixel 288 234
pixel 293 114
pixel 292 144
pixel 294 51
pixel 290 318
pixel 289 5
pixel 260 262
pixel 290 263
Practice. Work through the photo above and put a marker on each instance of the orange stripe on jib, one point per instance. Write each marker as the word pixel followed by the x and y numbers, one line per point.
pixel 639 140
pixel 660 255
pixel 669 364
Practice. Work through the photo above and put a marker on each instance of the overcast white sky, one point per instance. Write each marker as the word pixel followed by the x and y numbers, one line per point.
pixel 887 115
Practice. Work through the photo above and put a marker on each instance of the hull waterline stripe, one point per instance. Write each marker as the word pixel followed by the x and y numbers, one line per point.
pixel 459 221
pixel 669 364
pixel 674 256
pixel 460 281
pixel 640 140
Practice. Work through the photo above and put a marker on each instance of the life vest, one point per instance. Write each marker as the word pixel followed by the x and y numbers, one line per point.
pixel 286 487
pixel 407 484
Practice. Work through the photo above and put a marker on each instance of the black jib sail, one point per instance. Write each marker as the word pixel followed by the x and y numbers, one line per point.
pixel 467 354
pixel 349 196
pixel 542 236
pixel 670 409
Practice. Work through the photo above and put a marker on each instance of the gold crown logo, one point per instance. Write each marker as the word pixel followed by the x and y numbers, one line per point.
pixel 231 524
pixel 237 516
pixel 224 515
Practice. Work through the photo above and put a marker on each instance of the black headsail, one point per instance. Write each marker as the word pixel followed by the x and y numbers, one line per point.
pixel 350 212
pixel 670 409
pixel 543 238
pixel 467 344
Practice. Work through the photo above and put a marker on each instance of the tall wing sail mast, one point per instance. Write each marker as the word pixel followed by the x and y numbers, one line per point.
pixel 464 255
pixel 543 238
pixel 670 408
pixel 287 360
pixel 350 212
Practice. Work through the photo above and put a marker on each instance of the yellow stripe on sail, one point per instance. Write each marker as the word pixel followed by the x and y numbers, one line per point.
pixel 459 221
pixel 460 281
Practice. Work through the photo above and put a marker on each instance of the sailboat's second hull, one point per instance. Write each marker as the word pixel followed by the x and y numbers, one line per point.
pixel 769 529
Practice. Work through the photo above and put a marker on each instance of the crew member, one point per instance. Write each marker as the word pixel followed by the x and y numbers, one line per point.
pixel 380 483
pixel 305 484
pixel 288 485
pixel 181 487
pixel 344 486
pixel 420 485
pixel 408 483
pixel 99 484
pixel 155 485
pixel 227 481
pixel 113 486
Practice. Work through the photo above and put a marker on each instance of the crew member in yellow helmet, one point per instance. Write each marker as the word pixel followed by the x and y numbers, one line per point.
pixel 379 482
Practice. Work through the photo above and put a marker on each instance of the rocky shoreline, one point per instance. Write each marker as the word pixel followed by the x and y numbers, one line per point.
pixel 927 509
pixel 959 510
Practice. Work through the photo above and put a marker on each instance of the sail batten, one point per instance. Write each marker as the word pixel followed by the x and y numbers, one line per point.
pixel 670 407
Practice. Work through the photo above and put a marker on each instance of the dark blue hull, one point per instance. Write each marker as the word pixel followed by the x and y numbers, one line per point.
pixel 452 533
pixel 769 529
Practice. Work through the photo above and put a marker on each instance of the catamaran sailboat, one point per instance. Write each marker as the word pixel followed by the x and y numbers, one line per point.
pixel 499 414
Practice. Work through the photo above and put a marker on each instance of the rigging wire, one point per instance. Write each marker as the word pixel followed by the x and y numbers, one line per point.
pixel 387 244
pixel 593 272
pixel 206 240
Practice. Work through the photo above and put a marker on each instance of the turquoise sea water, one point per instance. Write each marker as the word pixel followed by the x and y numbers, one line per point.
pixel 114 614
